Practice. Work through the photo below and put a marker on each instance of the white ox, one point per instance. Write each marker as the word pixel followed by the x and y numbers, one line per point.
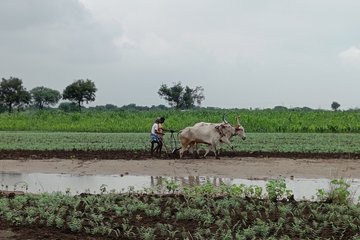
pixel 209 133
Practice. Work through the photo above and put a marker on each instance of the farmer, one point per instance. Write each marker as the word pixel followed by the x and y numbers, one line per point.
pixel 156 135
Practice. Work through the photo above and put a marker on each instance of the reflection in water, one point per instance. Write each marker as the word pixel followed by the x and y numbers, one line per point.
pixel 75 184
pixel 189 181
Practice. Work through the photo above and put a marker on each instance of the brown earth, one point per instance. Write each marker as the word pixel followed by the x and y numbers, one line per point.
pixel 142 155
pixel 236 165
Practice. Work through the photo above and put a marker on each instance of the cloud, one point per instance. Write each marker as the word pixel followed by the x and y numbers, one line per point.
pixel 125 44
pixel 351 56
pixel 59 31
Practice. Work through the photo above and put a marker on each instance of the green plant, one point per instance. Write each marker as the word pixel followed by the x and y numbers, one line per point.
pixel 284 210
pixel 249 233
pixel 167 230
pixel 126 228
pixel 226 234
pixel 147 233
pixel 276 189
pixel 75 224
pixel 153 211
pixel 337 193
pixel 59 222
pixel 261 228
pixel 171 185
pixel 322 194
pixel 253 191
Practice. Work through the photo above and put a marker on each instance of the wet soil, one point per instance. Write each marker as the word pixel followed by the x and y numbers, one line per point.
pixel 142 155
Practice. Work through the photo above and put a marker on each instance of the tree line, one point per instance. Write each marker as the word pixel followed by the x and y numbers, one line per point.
pixel 13 95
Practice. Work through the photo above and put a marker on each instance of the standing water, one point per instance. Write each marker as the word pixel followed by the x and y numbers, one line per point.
pixel 76 184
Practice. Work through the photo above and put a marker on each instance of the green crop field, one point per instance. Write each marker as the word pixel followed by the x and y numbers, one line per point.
pixel 315 121
pixel 315 131
pixel 255 142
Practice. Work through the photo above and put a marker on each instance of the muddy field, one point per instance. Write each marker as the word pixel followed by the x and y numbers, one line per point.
pixel 240 165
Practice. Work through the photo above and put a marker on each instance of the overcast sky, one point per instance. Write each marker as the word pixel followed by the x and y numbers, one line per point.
pixel 244 54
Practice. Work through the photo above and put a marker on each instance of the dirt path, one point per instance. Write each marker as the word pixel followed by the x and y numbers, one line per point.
pixel 250 168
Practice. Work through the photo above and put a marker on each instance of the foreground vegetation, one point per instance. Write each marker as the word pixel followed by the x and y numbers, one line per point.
pixel 255 142
pixel 201 212
pixel 136 121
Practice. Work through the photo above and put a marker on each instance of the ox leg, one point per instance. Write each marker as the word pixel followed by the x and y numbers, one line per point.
pixel 213 148
pixel 181 152
pixel 194 150
pixel 197 153
pixel 197 150
pixel 207 150
pixel 184 148
pixel 215 151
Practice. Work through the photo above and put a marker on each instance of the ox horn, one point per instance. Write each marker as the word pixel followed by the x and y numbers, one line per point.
pixel 238 121
pixel 224 119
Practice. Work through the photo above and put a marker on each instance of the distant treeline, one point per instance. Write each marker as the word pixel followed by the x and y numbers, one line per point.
pixel 72 107
pixel 131 118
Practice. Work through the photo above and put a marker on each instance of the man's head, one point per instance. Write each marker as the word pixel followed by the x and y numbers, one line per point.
pixel 161 119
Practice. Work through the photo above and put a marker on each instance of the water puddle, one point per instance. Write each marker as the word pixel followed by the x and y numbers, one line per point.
pixel 75 184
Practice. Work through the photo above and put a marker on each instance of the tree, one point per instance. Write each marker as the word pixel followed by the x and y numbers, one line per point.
pixel 43 96
pixel 110 107
pixel 80 91
pixel 68 107
pixel 180 97
pixel 280 108
pixel 13 94
pixel 335 105
pixel 2 107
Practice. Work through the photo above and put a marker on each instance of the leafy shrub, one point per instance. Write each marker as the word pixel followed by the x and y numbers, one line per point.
pixel 338 192
pixel 276 189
